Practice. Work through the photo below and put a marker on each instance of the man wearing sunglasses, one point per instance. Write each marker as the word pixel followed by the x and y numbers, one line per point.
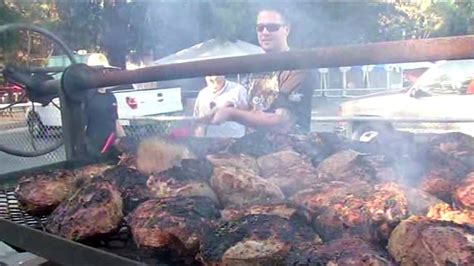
pixel 279 100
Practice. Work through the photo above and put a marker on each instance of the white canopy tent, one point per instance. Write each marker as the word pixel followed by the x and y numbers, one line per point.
pixel 213 48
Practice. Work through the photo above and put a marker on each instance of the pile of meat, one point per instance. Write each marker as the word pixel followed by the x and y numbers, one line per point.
pixel 272 199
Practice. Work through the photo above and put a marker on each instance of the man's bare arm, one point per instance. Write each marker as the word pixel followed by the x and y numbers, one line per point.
pixel 251 118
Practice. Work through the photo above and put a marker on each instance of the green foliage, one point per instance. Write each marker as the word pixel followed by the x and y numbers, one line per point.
pixel 163 27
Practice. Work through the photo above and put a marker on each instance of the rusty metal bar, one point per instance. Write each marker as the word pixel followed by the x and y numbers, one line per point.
pixel 57 249
pixel 449 48
pixel 331 119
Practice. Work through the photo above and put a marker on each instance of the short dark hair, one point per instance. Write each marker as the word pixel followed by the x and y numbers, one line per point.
pixel 280 11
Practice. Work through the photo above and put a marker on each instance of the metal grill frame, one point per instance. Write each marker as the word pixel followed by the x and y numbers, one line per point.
pixel 46 245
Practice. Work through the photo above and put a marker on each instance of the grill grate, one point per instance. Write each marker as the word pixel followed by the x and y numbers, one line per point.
pixel 120 242
pixel 10 210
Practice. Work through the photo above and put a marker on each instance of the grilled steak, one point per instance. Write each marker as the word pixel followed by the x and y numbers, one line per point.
pixel 94 209
pixel 464 194
pixel 288 170
pixel 234 160
pixel 90 171
pixel 349 216
pixel 236 186
pixel 348 251
pixel 444 212
pixel 189 179
pixel 40 193
pixel 257 240
pixel 346 165
pixel 175 224
pixel 422 241
pixel 319 197
pixel 452 151
pixel 341 208
pixel 387 206
pixel 282 209
pixel 440 183
pixel 131 184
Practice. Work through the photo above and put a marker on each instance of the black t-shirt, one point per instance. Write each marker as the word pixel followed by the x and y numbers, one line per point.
pixel 290 90
pixel 101 117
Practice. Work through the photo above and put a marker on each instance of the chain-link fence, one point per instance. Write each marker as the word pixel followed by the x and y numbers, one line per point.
pixel 28 130
pixel 24 134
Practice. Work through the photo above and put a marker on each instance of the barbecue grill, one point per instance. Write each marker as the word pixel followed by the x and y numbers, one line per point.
pixel 27 232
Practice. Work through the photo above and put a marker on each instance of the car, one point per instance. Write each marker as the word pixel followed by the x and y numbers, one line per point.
pixel 133 101
pixel 444 91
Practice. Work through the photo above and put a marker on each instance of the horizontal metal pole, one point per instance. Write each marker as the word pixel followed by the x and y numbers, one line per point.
pixel 449 48
pixel 328 119
pixel 390 119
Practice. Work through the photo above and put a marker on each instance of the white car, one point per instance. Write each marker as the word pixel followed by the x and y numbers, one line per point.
pixel 444 91
pixel 131 103
pixel 135 100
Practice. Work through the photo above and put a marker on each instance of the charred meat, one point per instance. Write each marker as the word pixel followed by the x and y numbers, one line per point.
pixel 444 212
pixel 258 240
pixel 320 196
pixel 282 209
pixel 175 224
pixel 132 186
pixel 464 194
pixel 387 206
pixel 93 210
pixel 233 160
pixel 236 186
pixel 346 165
pixel 41 193
pixel 423 241
pixel 440 183
pixel 349 251
pixel 287 169
pixel 90 171
pixel 190 178
pixel 453 151
pixel 349 216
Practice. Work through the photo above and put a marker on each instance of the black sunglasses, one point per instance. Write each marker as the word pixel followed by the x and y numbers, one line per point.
pixel 271 27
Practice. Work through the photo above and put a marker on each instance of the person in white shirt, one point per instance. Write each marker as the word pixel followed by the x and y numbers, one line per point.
pixel 220 92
